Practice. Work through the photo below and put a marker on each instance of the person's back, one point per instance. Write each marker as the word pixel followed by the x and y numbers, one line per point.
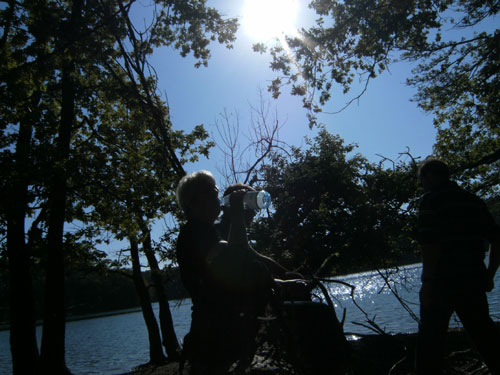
pixel 460 222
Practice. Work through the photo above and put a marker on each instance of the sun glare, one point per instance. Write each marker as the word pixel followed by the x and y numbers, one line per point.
pixel 267 19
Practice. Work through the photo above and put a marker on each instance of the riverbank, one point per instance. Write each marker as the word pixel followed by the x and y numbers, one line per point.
pixel 371 355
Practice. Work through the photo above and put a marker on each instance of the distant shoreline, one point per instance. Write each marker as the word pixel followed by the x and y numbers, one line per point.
pixel 6 326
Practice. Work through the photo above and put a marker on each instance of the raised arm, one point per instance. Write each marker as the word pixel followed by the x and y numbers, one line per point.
pixel 237 231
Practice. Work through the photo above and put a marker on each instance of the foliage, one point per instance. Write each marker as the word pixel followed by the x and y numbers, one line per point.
pixel 456 45
pixel 334 212
pixel 82 125
pixel 32 50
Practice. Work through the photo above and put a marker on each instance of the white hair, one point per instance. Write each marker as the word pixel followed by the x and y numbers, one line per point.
pixel 188 186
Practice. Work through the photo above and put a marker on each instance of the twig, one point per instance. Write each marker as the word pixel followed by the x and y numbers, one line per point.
pixel 398 297
pixel 372 325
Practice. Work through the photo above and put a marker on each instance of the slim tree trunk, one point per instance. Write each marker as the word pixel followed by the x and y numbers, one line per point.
pixel 53 346
pixel 23 343
pixel 155 350
pixel 169 338
pixel 52 357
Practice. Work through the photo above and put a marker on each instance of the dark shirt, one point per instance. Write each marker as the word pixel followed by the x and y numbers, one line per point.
pixel 195 240
pixel 460 223
pixel 222 325
pixel 227 281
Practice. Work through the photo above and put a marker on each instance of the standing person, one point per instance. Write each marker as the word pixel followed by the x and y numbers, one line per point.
pixel 453 226
pixel 228 285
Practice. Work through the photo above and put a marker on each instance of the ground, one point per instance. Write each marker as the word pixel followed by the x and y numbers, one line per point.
pixel 371 355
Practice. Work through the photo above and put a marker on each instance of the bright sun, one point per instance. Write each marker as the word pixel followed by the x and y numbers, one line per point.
pixel 267 19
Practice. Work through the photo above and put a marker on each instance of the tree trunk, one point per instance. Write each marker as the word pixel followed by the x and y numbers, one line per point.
pixel 53 347
pixel 23 343
pixel 155 350
pixel 52 357
pixel 169 338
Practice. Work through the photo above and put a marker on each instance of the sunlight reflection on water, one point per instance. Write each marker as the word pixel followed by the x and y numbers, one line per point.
pixel 115 344
pixel 372 295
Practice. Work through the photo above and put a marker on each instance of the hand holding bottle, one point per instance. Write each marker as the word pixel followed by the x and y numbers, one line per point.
pixel 255 200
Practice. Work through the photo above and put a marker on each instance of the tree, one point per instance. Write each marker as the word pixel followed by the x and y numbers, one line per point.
pixel 134 74
pixel 26 105
pixel 61 78
pixel 169 339
pixel 52 354
pixel 456 45
pixel 241 163
pixel 333 211
pixel 141 190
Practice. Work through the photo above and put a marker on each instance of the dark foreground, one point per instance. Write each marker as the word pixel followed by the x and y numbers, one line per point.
pixel 371 355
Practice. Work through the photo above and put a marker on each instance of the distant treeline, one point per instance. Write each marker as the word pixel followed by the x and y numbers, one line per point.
pixel 89 292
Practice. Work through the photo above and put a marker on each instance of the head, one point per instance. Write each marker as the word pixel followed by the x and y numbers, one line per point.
pixel 249 214
pixel 433 173
pixel 197 195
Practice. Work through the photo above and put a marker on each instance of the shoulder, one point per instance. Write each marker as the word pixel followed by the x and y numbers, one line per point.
pixel 449 194
pixel 185 232
pixel 196 226
pixel 467 200
pixel 195 234
pixel 187 228
pixel 430 200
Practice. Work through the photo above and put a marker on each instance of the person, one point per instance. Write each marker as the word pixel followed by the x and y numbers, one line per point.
pixel 277 270
pixel 227 283
pixel 452 228
pixel 309 331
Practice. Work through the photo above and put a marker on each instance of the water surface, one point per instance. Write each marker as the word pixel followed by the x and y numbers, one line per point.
pixel 115 344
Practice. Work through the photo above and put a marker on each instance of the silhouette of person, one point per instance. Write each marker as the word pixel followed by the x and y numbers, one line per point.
pixel 453 227
pixel 223 225
pixel 228 284
pixel 313 333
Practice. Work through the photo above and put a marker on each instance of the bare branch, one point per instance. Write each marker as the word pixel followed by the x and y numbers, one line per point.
pixel 371 321
pixel 240 163
pixel 395 293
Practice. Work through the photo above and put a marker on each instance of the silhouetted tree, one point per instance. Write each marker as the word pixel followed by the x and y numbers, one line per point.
pixel 65 84
pixel 455 44
pixel 335 212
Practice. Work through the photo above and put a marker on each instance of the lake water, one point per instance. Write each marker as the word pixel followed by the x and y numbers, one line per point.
pixel 115 344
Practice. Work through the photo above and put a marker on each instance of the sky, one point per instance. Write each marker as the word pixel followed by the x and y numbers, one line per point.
pixel 383 122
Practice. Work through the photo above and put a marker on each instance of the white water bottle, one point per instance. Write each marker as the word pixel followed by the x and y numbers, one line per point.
pixel 254 200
